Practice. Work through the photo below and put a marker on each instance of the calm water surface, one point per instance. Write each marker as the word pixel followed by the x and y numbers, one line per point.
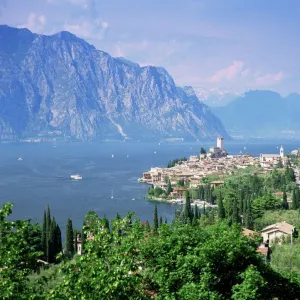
pixel 43 176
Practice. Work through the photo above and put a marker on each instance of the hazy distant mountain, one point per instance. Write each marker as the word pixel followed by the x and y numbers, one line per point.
pixel 262 113
pixel 60 85
pixel 215 97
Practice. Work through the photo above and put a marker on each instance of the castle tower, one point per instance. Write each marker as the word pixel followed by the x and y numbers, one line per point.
pixel 220 142
pixel 281 152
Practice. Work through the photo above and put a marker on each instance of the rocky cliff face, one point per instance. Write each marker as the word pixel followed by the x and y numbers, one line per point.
pixel 60 85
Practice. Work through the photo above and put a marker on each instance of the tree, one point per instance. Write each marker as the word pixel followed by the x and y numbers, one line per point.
pixel 202 151
pixel 155 219
pixel 19 255
pixel 44 235
pixel 235 214
pixel 294 200
pixel 75 241
pixel 160 221
pixel 188 215
pixel 196 212
pixel 280 164
pixel 285 204
pixel 221 210
pixel 228 266
pixel 69 238
pixel 169 188
pixel 58 240
pixel 252 287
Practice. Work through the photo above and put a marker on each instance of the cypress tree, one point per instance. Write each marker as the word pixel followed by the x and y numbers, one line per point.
pixel 248 216
pixel 118 217
pixel 147 226
pixel 155 219
pixel 297 197
pixel 221 210
pixel 48 227
pixel 187 208
pixel 294 200
pixel 83 238
pixel 196 212
pixel 48 222
pixel 166 220
pixel 285 204
pixel 160 221
pixel 106 223
pixel 69 237
pixel 44 235
pixel 58 240
pixel 52 242
pixel 235 213
pixel 241 203
pixel 169 188
pixel 75 241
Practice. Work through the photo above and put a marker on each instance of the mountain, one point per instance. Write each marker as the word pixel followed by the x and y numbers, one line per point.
pixel 262 114
pixel 61 86
pixel 215 97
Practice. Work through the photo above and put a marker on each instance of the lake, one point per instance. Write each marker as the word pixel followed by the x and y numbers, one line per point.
pixel 43 176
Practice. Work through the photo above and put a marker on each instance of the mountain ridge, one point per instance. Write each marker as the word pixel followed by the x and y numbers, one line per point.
pixel 262 113
pixel 60 85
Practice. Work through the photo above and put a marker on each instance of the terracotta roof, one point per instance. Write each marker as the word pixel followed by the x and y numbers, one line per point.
pixel 179 189
pixel 263 251
pixel 248 232
pixel 283 226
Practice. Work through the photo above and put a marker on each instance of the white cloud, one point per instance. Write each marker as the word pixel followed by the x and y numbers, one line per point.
pixel 35 23
pixel 229 73
pixel 270 79
pixel 89 29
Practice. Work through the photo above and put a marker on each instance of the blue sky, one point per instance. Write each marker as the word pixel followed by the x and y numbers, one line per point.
pixel 235 44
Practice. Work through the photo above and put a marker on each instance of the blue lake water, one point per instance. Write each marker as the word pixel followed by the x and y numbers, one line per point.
pixel 43 176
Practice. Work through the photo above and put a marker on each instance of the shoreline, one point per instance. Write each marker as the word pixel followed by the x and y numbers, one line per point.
pixel 180 201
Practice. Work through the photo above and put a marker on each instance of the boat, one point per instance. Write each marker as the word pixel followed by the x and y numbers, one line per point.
pixel 154 152
pixel 76 177
pixel 112 194
pixel 20 158
pixel 112 156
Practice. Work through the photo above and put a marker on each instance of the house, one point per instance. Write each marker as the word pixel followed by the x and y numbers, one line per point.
pixel 276 231
pixel 178 192
pixel 217 182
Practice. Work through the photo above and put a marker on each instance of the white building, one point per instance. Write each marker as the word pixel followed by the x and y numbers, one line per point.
pixel 277 230
pixel 273 158
pixel 220 142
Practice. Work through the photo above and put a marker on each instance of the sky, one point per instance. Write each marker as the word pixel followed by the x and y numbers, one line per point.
pixel 233 44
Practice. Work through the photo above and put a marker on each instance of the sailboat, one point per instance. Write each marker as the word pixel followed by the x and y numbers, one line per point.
pixel 112 194
pixel 112 156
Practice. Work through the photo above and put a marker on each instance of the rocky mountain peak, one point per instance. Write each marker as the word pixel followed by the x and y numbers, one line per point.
pixel 61 86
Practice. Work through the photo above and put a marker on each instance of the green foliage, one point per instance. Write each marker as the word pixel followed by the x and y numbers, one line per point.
pixel 169 188
pixel 155 219
pixel 69 238
pixel 156 192
pixel 252 287
pixel 173 162
pixel 221 210
pixel 285 204
pixel 276 216
pixel 179 262
pixel 187 213
pixel 19 254
pixel 202 151
pixel 286 260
